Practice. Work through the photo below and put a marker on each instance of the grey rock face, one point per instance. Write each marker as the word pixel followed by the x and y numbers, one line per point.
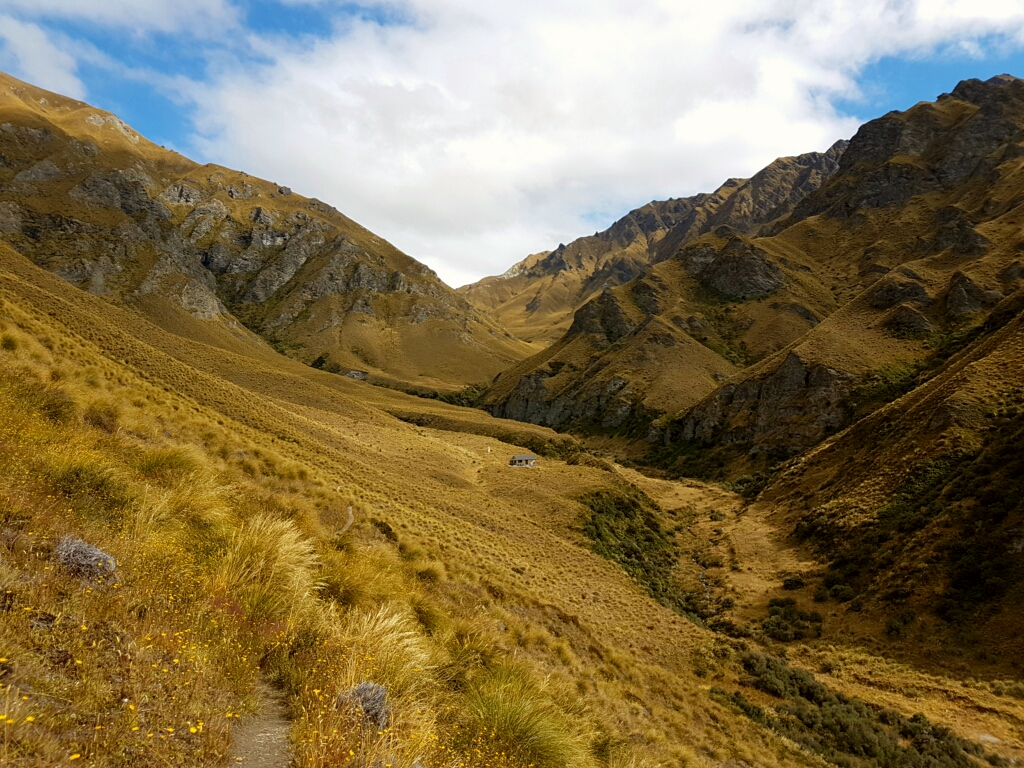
pixel 742 272
pixel 908 323
pixel 739 270
pixel 97 191
pixel 965 297
pixel 181 193
pixel 282 269
pixel 45 170
pixel 10 218
pixel 201 221
pixel 789 409
pixel 602 316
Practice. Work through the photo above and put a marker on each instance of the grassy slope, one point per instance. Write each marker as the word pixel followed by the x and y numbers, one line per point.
pixel 193 465
pixel 220 480
pixel 454 346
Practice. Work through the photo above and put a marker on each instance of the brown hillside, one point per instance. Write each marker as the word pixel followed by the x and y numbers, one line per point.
pixel 920 231
pixel 86 197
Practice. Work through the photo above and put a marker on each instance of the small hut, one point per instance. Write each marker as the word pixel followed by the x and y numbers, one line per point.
pixel 523 460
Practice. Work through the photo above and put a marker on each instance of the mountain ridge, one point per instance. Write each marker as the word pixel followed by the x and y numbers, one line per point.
pixel 151 227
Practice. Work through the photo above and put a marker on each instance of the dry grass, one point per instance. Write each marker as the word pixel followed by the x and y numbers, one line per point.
pixel 464 587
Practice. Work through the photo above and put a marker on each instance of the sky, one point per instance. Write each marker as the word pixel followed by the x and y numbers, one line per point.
pixel 471 134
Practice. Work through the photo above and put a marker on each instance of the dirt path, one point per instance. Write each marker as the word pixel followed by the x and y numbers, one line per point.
pixel 261 741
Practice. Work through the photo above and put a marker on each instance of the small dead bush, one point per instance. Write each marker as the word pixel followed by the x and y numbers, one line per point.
pixel 83 560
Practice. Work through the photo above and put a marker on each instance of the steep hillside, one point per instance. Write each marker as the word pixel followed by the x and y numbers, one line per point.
pixel 917 508
pixel 657 345
pixel 920 229
pixel 885 266
pixel 536 298
pixel 86 197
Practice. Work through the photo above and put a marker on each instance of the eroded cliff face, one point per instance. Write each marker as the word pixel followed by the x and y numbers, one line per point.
pixel 790 408
pixel 86 197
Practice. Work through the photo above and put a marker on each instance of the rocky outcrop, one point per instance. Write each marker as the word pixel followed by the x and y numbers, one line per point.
pixel 740 270
pixel 603 317
pixel 965 297
pixel 786 410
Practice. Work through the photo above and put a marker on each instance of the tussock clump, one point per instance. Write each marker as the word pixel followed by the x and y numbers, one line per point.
pixel 369 701
pixel 506 703
pixel 83 560
pixel 104 416
pixel 269 568
pixel 167 464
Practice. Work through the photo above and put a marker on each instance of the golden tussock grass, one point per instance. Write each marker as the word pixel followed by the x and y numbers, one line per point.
pixel 463 588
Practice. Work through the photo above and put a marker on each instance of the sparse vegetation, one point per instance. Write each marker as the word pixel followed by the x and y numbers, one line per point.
pixel 844 730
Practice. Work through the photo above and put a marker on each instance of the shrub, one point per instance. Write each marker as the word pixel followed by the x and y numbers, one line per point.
pixel 843 729
pixel 505 703
pixel 786 622
pixel 623 527
pixel 8 343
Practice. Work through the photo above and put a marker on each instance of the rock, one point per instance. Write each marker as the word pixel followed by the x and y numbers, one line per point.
pixel 788 409
pixel 369 701
pixel 739 270
pixel 358 375
pixel 906 322
pixel 203 219
pixel 262 216
pixel 965 297
pixel 83 560
pixel 284 191
pixel 97 191
pixel 646 297
pixel 890 291
pixel 602 316
pixel 45 170
pixel 1011 274
pixel 742 271
pixel 181 193
pixel 10 218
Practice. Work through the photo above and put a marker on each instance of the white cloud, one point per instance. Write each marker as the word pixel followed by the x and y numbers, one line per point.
pixel 481 131
pixel 27 51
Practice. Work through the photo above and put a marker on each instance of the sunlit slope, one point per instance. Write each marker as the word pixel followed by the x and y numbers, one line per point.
pixel 917 236
pixel 643 353
pixel 86 197
pixel 299 445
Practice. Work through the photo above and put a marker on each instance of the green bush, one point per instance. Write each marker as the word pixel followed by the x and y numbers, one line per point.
pixel 845 730
pixel 623 527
